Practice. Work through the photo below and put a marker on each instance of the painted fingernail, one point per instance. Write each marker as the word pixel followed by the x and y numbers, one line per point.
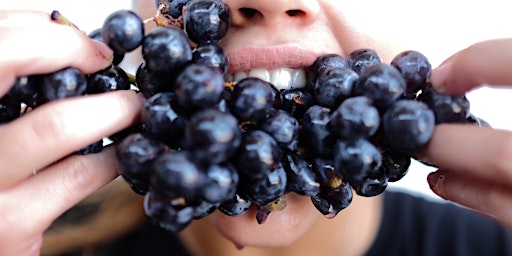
pixel 439 76
pixel 435 180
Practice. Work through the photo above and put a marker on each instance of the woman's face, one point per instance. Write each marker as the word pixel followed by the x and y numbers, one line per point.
pixel 269 34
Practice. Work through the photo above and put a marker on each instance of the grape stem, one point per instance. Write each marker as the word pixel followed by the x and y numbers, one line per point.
pixel 59 18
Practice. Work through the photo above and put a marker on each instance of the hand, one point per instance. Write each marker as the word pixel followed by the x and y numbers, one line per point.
pixel 475 162
pixel 40 177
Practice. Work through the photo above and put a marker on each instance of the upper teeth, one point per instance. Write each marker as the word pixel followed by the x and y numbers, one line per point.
pixel 281 78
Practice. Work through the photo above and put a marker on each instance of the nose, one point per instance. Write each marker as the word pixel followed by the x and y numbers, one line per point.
pixel 271 12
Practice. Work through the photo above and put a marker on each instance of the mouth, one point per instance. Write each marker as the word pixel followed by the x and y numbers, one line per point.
pixel 284 67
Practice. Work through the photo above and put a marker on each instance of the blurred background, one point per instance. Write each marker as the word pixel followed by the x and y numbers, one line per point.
pixel 475 22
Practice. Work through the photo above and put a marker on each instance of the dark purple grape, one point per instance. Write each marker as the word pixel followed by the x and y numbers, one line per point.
pixel 212 136
pixel 136 154
pixel 300 177
pixel 206 21
pixel 65 83
pixel 167 212
pixel 166 50
pixel 258 155
pixel 95 147
pixel 221 183
pixel 296 101
pixel 162 120
pixel 211 54
pixel 173 7
pixel 357 159
pixel 372 185
pixel 360 59
pixel 472 119
pixel 177 175
pixel 382 83
pixel 334 85
pixel 447 108
pixel 323 63
pixel 150 83
pixel 265 189
pixel 415 69
pixel 96 35
pixel 123 31
pixel 199 87
pixel 314 132
pixel 236 206
pixel 355 118
pixel 204 209
pixel 408 125
pixel 335 192
pixel 396 164
pixel 251 99
pixel 283 127
pixel 10 109
pixel 27 90
pixel 110 79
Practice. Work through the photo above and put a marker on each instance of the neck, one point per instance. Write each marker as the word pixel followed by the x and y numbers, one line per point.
pixel 350 233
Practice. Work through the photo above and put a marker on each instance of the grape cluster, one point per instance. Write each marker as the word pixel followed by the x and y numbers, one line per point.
pixel 205 144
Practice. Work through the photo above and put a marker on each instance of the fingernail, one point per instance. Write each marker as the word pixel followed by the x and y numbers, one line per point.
pixel 439 75
pixel 105 51
pixel 435 180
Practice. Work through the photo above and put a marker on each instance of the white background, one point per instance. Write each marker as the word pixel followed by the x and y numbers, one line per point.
pixel 492 105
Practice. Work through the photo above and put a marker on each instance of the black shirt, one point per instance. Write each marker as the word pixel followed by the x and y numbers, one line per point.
pixel 410 225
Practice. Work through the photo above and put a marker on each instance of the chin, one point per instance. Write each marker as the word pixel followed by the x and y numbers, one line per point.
pixel 281 229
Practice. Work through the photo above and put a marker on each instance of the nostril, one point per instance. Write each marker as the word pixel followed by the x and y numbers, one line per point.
pixel 248 12
pixel 293 13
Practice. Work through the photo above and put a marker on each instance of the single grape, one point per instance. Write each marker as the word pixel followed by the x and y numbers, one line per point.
pixel 355 118
pixel 221 183
pixel 357 159
pixel 123 31
pixel 212 136
pixel 415 69
pixel 236 206
pixel 150 83
pixel 372 185
pixel 283 127
pixel 300 177
pixel 251 99
pixel 211 54
pixel 204 209
pixel 323 63
pixel 408 125
pixel 447 108
pixel 265 189
pixel 166 212
pixel 334 85
pixel 396 164
pixel 64 83
pixel 315 134
pixel 109 79
pixel 360 59
pixel 136 154
pixel 162 120
pixel 166 50
pixel 27 90
pixel 382 83
pixel 9 109
pixel 206 21
pixel 258 154
pixel 199 86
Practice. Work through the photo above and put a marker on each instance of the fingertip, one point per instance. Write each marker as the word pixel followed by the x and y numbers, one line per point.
pixel 105 52
pixel 439 76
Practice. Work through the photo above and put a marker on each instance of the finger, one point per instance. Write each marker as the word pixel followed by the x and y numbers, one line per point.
pixel 475 151
pixel 492 199
pixel 59 128
pixel 46 47
pixel 33 205
pixel 484 63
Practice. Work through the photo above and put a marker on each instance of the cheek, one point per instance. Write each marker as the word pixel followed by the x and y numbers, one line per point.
pixel 281 229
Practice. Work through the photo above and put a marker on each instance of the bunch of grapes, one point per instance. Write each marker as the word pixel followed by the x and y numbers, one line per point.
pixel 205 144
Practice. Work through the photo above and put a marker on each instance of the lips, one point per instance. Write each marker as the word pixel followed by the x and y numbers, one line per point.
pixel 285 67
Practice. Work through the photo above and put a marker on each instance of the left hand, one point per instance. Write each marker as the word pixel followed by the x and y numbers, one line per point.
pixel 475 163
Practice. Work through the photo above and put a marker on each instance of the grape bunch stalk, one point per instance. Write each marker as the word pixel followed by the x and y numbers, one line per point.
pixel 205 144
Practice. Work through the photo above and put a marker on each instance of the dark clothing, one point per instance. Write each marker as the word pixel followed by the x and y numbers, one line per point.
pixel 410 226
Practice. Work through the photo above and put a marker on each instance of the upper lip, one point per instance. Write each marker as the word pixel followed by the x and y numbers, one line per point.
pixel 269 57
